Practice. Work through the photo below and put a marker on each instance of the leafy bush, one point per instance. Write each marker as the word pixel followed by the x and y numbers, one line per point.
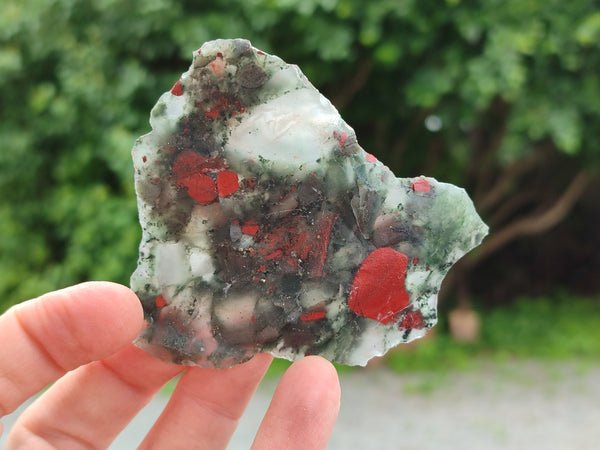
pixel 494 96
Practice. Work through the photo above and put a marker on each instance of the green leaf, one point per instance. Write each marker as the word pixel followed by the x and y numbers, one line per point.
pixel 565 129
pixel 428 86
pixel 388 53
pixel 588 32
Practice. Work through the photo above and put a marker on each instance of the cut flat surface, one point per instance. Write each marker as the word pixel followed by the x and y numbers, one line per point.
pixel 267 228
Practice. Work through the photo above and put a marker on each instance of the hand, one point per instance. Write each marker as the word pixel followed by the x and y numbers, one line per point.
pixel 81 336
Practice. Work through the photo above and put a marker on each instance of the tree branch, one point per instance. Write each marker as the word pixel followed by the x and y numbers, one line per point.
pixel 348 89
pixel 399 146
pixel 487 167
pixel 486 145
pixel 506 209
pixel 533 224
pixel 494 195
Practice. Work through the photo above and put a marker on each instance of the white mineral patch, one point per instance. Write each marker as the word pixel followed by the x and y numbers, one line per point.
pixel 236 310
pixel 415 279
pixel 313 295
pixel 288 77
pixel 196 232
pixel 395 199
pixel 201 264
pixel 246 241
pixel 299 123
pixel 168 111
pixel 371 343
pixel 172 263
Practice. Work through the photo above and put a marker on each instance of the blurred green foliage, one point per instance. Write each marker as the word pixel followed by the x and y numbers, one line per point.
pixel 552 327
pixel 459 90
pixel 559 326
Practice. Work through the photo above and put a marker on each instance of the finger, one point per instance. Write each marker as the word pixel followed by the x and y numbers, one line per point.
pixel 42 339
pixel 206 406
pixel 304 408
pixel 90 406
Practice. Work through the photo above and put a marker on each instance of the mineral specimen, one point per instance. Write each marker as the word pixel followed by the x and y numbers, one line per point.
pixel 267 228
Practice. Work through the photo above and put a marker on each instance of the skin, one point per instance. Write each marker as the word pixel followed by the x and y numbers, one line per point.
pixel 80 338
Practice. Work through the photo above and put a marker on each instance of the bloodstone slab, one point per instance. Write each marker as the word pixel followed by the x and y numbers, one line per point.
pixel 267 228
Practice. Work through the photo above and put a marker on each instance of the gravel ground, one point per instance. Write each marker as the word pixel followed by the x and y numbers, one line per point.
pixel 513 405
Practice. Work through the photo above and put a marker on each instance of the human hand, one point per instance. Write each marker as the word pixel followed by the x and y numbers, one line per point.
pixel 81 336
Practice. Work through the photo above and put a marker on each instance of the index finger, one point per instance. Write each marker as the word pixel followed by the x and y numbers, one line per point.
pixel 42 339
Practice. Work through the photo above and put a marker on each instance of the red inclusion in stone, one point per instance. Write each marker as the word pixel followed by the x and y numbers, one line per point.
pixel 412 319
pixel 213 113
pixel 296 242
pixel 200 187
pixel 190 171
pixel 341 137
pixel 312 315
pixel 190 163
pixel 277 254
pixel 160 302
pixel 378 291
pixel 421 185
pixel 250 227
pixel 218 67
pixel 177 89
pixel 370 158
pixel 227 183
pixel 322 243
pixel 224 105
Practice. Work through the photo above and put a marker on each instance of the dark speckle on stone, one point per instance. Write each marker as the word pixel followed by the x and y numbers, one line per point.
pixel 251 76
